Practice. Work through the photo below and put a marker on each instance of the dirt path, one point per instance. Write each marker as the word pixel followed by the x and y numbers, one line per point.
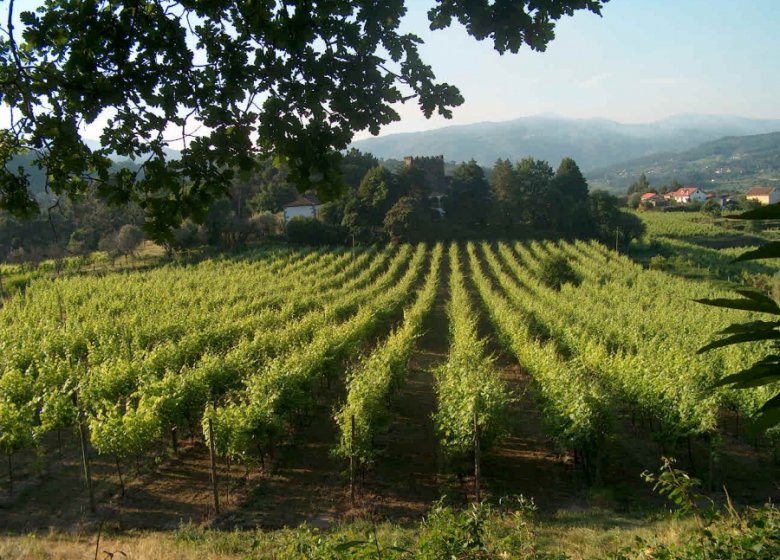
pixel 49 490
pixel 404 480
pixel 527 461
pixel 305 484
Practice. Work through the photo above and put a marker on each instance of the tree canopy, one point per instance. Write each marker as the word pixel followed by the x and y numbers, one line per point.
pixel 229 79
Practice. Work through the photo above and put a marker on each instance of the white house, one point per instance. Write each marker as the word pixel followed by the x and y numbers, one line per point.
pixel 764 195
pixel 685 195
pixel 307 206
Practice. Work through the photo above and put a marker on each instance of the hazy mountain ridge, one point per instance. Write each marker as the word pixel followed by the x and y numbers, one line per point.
pixel 593 143
pixel 733 162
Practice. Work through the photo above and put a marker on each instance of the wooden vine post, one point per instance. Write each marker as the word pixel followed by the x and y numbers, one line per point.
pixel 212 455
pixel 119 472
pixel 477 473
pixel 352 462
pixel 85 453
pixel 10 477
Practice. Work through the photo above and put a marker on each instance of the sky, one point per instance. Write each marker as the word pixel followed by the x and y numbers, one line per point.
pixel 643 60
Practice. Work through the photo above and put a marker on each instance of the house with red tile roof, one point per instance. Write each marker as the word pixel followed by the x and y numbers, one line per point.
pixel 684 195
pixel 651 199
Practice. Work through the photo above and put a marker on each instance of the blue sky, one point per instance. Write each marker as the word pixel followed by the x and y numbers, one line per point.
pixel 641 61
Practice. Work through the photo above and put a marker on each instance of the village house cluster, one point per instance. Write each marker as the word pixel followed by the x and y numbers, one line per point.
pixel 687 195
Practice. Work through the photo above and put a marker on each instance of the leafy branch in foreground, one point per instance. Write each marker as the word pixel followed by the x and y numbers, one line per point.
pixel 229 80
pixel 766 371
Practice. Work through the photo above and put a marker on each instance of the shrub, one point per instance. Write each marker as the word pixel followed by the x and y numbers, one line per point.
pixel 556 271
pixel 310 231
pixel 657 262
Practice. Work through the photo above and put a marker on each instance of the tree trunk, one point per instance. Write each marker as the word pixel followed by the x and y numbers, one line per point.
pixel 174 440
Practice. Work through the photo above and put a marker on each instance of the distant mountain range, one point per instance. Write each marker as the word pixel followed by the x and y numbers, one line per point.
pixel 593 143
pixel 708 151
pixel 732 163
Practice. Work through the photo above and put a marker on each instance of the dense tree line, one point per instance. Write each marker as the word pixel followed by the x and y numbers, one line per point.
pixel 525 199
pixel 72 227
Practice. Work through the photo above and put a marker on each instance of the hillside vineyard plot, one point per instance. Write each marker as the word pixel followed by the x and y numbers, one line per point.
pixel 241 348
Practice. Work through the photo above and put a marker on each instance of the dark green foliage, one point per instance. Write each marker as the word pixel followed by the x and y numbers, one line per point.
pixel 571 200
pixel 630 227
pixel 187 235
pixel 765 372
pixel 711 208
pixel 468 203
pixel 355 165
pixel 640 186
pixel 634 200
pixel 128 238
pixel 408 221
pixel 83 240
pixel 71 228
pixel 333 212
pixel 569 181
pixel 537 199
pixel 503 189
pixel 290 80
pixel 310 231
pixel 524 199
pixel 609 224
pixel 273 188
pixel 555 271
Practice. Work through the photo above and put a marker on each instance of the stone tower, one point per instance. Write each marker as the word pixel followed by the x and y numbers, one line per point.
pixel 432 169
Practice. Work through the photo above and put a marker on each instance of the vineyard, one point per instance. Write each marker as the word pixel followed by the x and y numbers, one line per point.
pixel 244 358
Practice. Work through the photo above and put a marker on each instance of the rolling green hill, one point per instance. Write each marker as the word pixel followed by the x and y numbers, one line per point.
pixel 732 163
pixel 593 143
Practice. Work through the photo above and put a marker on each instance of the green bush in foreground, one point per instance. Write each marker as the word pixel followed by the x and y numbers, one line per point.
pixel 504 532
pixel 754 535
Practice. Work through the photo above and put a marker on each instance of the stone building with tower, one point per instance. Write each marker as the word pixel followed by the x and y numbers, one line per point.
pixel 432 171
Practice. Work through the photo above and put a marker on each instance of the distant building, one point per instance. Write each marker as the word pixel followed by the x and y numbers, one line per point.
pixel 684 195
pixel 652 199
pixel 434 181
pixel 721 199
pixel 307 206
pixel 432 169
pixel 764 195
